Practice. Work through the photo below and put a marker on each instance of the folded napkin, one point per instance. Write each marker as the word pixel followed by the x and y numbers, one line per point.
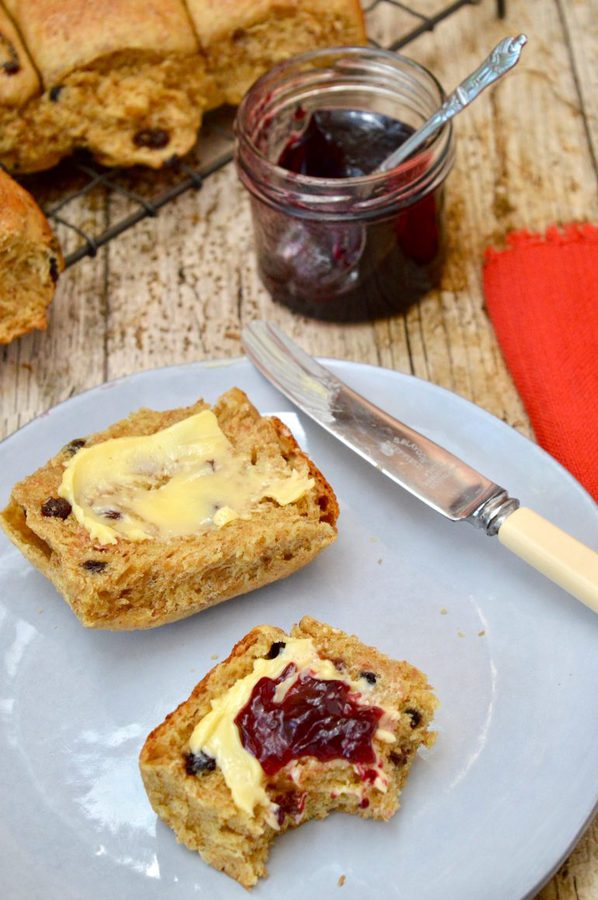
pixel 542 297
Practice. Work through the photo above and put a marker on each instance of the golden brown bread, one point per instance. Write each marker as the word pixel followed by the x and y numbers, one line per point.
pixel 199 807
pixel 123 76
pixel 144 584
pixel 216 19
pixel 30 262
pixel 30 138
pixel 64 35
pixel 130 80
pixel 18 79
pixel 242 39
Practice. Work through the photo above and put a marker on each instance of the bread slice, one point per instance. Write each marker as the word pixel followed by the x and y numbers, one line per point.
pixel 242 39
pixel 144 583
pixel 189 791
pixel 30 262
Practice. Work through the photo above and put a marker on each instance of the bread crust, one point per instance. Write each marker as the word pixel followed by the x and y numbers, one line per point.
pixel 20 214
pixel 218 19
pixel 122 79
pixel 130 79
pixel 242 39
pixel 31 136
pixel 18 79
pixel 145 584
pixel 200 809
pixel 30 262
pixel 63 35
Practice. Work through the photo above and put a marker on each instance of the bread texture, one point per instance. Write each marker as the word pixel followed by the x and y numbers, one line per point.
pixel 242 39
pixel 143 584
pixel 30 262
pixel 130 80
pixel 199 807
pixel 19 81
pixel 122 77
pixel 30 139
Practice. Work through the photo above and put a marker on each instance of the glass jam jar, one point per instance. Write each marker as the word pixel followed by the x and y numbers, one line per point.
pixel 334 239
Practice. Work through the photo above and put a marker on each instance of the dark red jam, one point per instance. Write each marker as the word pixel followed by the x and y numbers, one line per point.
pixel 290 804
pixel 340 143
pixel 316 718
pixel 348 269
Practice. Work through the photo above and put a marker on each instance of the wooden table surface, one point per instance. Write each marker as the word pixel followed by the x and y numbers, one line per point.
pixel 178 288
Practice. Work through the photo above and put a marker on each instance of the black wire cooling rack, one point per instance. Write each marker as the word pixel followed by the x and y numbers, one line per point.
pixel 142 193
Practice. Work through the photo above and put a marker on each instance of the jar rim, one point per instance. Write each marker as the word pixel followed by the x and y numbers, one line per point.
pixel 370 179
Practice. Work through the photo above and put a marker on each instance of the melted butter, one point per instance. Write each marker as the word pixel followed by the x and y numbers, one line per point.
pixel 178 481
pixel 218 735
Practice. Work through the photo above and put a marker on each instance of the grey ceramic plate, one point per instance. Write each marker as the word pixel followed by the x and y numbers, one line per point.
pixel 488 812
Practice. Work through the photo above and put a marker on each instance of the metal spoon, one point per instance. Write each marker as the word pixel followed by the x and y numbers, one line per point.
pixel 502 59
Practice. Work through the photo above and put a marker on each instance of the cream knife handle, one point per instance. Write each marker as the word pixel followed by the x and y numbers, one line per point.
pixel 556 554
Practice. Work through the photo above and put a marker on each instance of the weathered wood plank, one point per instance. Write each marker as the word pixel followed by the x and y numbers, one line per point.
pixel 580 26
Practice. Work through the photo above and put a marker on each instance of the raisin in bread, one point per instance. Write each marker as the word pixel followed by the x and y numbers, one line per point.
pixel 122 568
pixel 287 729
pixel 30 262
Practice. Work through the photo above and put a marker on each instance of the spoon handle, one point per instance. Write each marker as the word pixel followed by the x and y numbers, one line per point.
pixel 502 59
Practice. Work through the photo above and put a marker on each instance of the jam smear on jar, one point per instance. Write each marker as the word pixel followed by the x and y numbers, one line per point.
pixel 316 718
pixel 357 269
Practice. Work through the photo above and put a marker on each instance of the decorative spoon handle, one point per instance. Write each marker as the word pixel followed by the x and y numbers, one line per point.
pixel 502 59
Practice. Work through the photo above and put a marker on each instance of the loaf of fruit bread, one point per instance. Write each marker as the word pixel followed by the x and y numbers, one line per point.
pixel 30 262
pixel 166 513
pixel 287 729
pixel 130 80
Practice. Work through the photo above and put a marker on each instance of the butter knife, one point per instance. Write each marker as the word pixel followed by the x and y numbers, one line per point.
pixel 428 471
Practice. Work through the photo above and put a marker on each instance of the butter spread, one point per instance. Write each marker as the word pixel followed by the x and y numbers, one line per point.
pixel 178 481
pixel 218 735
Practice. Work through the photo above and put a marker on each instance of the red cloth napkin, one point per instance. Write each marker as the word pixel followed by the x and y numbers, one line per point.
pixel 542 297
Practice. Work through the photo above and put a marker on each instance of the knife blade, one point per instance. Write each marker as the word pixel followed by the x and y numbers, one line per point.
pixel 419 465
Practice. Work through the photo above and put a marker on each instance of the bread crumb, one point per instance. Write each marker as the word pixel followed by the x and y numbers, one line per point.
pixel 460 634
pixel 374 539
pixel 481 633
pixel 443 611
pixel 214 656
pixel 341 880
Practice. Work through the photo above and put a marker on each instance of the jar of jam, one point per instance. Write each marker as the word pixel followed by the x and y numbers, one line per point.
pixel 335 239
